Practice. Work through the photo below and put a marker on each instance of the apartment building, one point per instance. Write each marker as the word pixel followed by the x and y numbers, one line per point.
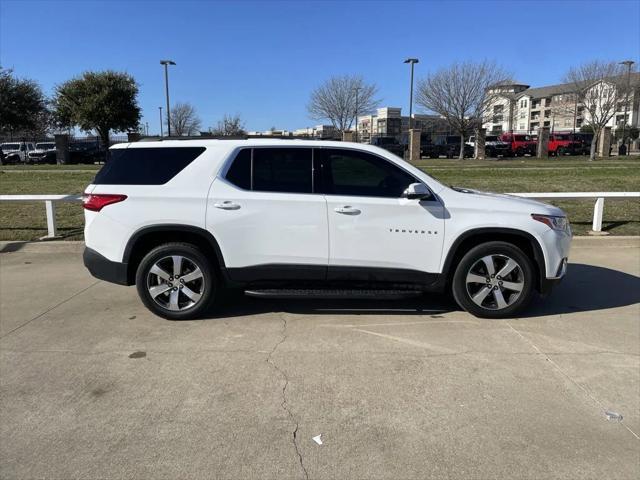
pixel 517 107
pixel 389 122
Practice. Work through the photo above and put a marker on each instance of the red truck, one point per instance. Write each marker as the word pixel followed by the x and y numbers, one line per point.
pixel 521 144
pixel 564 144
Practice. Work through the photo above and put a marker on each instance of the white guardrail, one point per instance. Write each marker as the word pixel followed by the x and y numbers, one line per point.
pixel 598 209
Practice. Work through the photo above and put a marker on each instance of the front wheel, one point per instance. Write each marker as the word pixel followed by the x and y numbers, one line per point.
pixel 176 281
pixel 494 280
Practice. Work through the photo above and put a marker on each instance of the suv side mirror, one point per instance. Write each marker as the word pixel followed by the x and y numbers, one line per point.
pixel 417 191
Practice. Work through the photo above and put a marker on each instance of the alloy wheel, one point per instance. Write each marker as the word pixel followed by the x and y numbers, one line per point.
pixel 495 282
pixel 176 283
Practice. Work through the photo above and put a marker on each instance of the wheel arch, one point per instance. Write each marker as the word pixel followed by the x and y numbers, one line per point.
pixel 147 238
pixel 471 238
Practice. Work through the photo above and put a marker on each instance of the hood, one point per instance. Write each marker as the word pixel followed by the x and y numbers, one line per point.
pixel 512 202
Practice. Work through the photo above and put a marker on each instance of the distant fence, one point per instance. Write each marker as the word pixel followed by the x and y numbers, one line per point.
pixel 598 210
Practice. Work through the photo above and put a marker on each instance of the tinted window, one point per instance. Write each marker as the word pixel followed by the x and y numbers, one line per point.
pixel 240 171
pixel 145 166
pixel 282 170
pixel 348 172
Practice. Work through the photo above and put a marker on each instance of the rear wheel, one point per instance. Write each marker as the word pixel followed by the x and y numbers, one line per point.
pixel 494 280
pixel 176 281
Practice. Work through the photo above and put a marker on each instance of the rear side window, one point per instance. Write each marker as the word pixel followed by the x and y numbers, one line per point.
pixel 145 166
pixel 240 171
pixel 284 170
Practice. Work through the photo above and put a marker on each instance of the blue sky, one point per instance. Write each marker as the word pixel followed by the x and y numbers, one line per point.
pixel 262 59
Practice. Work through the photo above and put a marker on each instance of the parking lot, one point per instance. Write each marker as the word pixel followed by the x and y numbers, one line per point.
pixel 93 386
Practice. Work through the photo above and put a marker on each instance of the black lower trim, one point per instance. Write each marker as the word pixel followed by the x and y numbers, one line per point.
pixel 319 276
pixel 380 275
pixel 104 269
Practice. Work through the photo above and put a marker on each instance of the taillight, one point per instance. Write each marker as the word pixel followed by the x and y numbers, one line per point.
pixel 96 202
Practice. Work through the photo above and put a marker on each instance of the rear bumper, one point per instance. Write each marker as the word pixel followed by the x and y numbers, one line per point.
pixel 104 269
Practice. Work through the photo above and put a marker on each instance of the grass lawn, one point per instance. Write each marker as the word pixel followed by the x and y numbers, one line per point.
pixel 26 221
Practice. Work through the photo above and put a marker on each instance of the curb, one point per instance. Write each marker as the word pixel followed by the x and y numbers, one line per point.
pixel 77 246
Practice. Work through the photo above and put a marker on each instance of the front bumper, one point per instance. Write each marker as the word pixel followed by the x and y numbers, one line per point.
pixel 548 284
pixel 104 269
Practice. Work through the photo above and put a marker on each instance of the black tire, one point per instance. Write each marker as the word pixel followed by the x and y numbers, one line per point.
pixel 523 275
pixel 207 285
pixel 560 152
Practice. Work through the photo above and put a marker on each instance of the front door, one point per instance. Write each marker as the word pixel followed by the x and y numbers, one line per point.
pixel 374 232
pixel 266 217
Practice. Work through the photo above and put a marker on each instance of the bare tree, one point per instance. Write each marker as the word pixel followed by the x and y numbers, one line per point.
pixel 230 125
pixel 461 93
pixel 184 119
pixel 599 87
pixel 340 98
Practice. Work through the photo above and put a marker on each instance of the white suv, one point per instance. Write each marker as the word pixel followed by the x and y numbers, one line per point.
pixel 184 220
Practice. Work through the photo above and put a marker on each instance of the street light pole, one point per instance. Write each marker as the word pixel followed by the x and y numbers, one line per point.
pixel 412 61
pixel 628 63
pixel 357 89
pixel 166 64
pixel 161 131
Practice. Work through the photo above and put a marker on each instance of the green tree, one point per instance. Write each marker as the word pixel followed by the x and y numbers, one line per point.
pixel 101 101
pixel 23 107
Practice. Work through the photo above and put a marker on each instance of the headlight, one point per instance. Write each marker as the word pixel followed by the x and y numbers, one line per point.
pixel 552 221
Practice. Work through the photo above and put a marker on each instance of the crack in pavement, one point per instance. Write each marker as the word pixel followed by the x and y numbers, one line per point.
pixel 559 369
pixel 49 310
pixel 284 404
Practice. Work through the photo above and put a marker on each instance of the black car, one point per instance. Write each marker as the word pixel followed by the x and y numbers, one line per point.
pixel 582 145
pixel 390 144
pixel 86 152
pixel 450 147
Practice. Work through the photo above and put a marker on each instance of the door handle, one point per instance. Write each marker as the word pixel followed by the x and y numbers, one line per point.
pixel 347 210
pixel 227 205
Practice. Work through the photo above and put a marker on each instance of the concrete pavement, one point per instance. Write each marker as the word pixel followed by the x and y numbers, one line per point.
pixel 92 385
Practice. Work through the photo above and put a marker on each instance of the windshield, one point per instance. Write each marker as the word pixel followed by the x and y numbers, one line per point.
pixel 10 146
pixel 491 138
pixel 45 146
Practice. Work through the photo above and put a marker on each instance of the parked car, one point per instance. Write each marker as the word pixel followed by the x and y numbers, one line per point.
pixel 450 147
pixel 45 152
pixel 184 220
pixel 520 144
pixel 583 140
pixel 390 144
pixel 16 152
pixel 563 144
pixel 493 146
pixel 86 152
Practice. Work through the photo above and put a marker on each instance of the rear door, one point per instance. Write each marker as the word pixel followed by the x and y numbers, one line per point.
pixel 268 220
pixel 375 233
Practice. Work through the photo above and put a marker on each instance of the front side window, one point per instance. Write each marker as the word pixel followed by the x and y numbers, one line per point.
pixel 350 172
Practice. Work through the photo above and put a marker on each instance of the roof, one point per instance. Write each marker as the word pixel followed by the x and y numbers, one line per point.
pixel 249 142
pixel 562 88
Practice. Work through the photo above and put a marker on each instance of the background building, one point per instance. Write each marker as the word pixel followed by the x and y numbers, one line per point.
pixel 517 107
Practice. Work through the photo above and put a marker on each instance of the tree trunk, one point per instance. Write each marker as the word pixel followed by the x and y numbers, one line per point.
pixel 461 157
pixel 104 142
pixel 594 145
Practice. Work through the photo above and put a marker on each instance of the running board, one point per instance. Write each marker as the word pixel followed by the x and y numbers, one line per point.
pixel 333 294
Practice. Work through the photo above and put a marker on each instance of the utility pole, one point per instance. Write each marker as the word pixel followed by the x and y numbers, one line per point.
pixel 161 132
pixel 628 64
pixel 412 61
pixel 166 64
